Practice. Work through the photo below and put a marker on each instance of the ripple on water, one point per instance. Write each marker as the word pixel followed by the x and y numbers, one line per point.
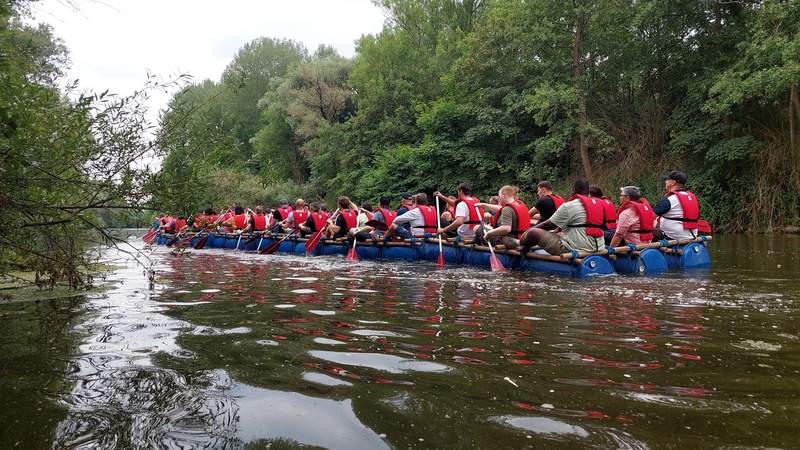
pixel 386 363
pixel 304 291
pixel 323 379
pixel 542 425
pixel 326 341
pixel 382 333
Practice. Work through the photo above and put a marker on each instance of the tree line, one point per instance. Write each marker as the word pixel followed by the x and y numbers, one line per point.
pixel 507 91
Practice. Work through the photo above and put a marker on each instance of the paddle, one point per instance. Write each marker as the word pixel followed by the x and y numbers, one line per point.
pixel 274 246
pixel 246 219
pixel 440 260
pixel 202 242
pixel 311 244
pixel 494 261
pixel 352 255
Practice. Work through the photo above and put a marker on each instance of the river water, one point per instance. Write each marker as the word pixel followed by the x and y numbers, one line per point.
pixel 231 350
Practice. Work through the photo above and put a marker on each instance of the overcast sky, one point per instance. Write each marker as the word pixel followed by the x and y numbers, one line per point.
pixel 114 43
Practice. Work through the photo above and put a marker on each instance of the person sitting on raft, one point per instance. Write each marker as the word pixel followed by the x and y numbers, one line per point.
pixel 510 219
pixel 345 220
pixel 316 220
pixel 547 204
pixel 281 213
pixel 487 214
pixel 609 212
pixel 238 221
pixel 383 215
pixel 258 220
pixel 580 218
pixel 296 216
pixel 636 219
pixel 679 210
pixel 467 215
pixel 421 218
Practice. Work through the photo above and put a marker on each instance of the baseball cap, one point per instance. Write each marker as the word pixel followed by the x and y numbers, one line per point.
pixel 676 175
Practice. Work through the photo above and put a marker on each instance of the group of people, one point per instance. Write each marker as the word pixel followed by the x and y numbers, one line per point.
pixel 586 221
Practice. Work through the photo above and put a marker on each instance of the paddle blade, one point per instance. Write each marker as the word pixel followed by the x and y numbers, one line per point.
pixel 172 241
pixel 440 261
pixel 311 244
pixel 352 255
pixel 148 235
pixel 271 249
pixel 201 243
pixel 497 266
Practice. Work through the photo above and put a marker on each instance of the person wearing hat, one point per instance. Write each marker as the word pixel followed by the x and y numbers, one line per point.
pixel 679 210
pixel 406 204
pixel 635 219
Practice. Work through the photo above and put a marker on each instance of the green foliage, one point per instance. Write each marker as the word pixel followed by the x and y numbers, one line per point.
pixel 513 92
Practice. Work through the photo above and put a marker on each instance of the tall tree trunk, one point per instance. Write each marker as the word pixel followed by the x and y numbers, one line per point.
pixel 583 116
pixel 794 113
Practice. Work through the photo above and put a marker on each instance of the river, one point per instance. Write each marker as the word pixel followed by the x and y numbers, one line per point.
pixel 232 350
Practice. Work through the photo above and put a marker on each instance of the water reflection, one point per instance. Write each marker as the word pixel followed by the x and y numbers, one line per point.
pixel 246 351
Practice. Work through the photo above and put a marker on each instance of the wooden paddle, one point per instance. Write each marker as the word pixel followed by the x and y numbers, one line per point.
pixel 202 242
pixel 274 246
pixel 311 244
pixel 440 259
pixel 494 261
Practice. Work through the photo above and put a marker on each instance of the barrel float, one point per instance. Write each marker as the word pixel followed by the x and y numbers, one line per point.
pixel 480 258
pixel 408 253
pixel 367 250
pixel 328 248
pixel 593 265
pixel 648 261
pixel 690 256
pixel 429 251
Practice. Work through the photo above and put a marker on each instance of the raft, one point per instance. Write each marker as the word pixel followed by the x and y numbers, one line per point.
pixel 646 259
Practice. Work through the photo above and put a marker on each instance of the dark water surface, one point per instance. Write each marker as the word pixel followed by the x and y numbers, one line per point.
pixel 232 350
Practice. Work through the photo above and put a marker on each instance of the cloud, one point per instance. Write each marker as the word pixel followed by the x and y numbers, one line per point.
pixel 114 43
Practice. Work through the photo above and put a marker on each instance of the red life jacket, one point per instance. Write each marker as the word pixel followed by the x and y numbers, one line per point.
pixel 429 216
pixel 300 217
pixel 168 224
pixel 239 221
pixel 211 219
pixel 388 216
pixel 691 209
pixel 610 214
pixel 594 215
pixel 284 211
pixel 646 217
pixel 319 219
pixel 521 221
pixel 475 214
pixel 350 217
pixel 557 200
pixel 259 222
pixel 227 216
pixel 180 224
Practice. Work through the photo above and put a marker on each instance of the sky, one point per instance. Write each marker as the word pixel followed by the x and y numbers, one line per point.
pixel 113 44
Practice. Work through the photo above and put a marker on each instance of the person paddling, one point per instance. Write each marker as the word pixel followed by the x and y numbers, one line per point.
pixel 316 220
pixel 345 220
pixel 281 213
pixel 679 210
pixel 467 215
pixel 580 218
pixel 296 216
pixel 547 204
pixel 510 221
pixel 609 212
pixel 259 221
pixel 635 220
pixel 421 218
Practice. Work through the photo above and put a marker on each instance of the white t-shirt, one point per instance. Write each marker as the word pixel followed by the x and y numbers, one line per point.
pixel 415 218
pixel 673 229
pixel 465 230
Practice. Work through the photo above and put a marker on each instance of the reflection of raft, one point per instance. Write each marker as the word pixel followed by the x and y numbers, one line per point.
pixel 653 258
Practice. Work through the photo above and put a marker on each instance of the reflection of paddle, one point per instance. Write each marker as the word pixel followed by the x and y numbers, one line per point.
pixel 271 249
pixel 352 255
pixel 494 261
pixel 440 260
pixel 311 244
